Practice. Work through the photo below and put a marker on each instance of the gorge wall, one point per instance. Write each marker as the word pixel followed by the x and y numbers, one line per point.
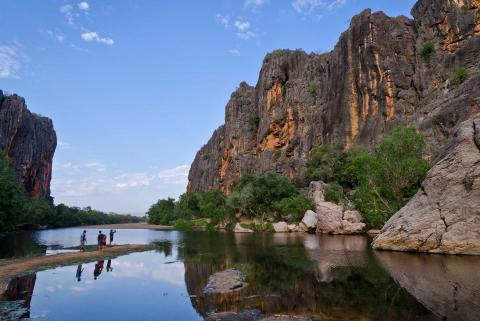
pixel 29 141
pixel 374 79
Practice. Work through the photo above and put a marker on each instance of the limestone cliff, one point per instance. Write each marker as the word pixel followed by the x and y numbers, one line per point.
pixel 374 79
pixel 29 142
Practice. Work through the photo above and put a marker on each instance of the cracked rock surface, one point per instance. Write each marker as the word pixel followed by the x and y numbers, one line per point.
pixel 444 216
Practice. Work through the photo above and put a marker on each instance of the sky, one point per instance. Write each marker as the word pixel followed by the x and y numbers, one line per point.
pixel 136 87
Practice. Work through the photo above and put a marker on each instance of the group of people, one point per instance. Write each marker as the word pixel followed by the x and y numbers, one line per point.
pixel 96 271
pixel 101 239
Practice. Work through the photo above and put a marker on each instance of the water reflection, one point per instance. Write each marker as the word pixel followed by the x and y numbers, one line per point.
pixel 19 290
pixel 78 275
pixel 323 277
pixel 447 285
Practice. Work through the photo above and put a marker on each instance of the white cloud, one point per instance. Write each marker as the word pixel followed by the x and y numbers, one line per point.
pixel 309 6
pixel 63 145
pixel 223 20
pixel 243 31
pixel 242 25
pixel 83 6
pixel 255 3
pixel 93 36
pixel 11 60
pixel 67 10
pixel 233 51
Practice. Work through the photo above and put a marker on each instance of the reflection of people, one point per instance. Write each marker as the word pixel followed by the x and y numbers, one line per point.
pixel 79 272
pixel 98 269
pixel 83 240
pixel 109 266
pixel 112 231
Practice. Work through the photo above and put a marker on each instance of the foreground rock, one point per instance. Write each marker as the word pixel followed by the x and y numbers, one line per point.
pixel 444 216
pixel 29 142
pixel 225 282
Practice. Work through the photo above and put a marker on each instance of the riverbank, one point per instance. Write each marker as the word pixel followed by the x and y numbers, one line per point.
pixel 15 267
pixel 134 226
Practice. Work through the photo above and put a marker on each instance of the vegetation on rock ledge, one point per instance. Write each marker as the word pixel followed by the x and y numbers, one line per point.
pixel 381 181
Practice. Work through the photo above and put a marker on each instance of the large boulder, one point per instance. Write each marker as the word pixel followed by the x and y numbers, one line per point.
pixel 239 229
pixel 309 221
pixel 280 227
pixel 444 215
pixel 329 217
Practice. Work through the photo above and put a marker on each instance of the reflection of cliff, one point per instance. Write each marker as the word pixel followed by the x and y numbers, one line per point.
pixel 20 289
pixel 448 286
pixel 287 274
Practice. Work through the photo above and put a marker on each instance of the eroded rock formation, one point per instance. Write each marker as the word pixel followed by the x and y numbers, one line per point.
pixel 29 142
pixel 374 78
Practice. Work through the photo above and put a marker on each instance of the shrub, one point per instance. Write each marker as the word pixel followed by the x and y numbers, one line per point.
pixel 256 196
pixel 326 164
pixel 295 206
pixel 428 50
pixel 162 212
pixel 206 157
pixel 253 123
pixel 388 178
pixel 460 76
pixel 277 154
pixel 333 192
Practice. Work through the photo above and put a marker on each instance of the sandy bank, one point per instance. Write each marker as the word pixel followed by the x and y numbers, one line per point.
pixel 14 267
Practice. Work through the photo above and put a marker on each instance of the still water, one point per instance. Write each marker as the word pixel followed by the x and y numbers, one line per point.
pixel 323 277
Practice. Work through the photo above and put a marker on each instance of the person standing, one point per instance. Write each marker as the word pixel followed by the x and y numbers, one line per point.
pixel 83 240
pixel 100 240
pixel 112 231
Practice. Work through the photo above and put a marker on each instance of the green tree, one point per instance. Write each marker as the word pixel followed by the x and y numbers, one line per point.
pixel 162 212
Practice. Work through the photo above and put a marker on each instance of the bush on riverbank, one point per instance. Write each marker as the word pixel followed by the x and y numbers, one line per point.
pixel 267 196
pixel 17 209
pixel 382 180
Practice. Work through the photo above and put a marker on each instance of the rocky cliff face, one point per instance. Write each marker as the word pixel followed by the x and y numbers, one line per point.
pixel 374 79
pixel 29 142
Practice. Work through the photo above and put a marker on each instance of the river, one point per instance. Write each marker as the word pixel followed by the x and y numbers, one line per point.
pixel 322 277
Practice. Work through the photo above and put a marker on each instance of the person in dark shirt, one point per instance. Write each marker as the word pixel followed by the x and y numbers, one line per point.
pixel 112 231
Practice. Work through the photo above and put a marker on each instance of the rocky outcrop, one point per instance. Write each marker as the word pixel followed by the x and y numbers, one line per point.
pixel 374 79
pixel 330 218
pixel 29 141
pixel 444 216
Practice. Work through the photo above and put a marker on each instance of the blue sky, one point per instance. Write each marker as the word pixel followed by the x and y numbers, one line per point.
pixel 136 87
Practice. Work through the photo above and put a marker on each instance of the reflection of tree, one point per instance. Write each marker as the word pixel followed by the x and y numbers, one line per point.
pixel 19 289
pixel 164 247
pixel 20 244
pixel 282 272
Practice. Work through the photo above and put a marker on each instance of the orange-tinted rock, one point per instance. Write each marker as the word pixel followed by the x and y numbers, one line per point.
pixel 29 142
pixel 374 79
